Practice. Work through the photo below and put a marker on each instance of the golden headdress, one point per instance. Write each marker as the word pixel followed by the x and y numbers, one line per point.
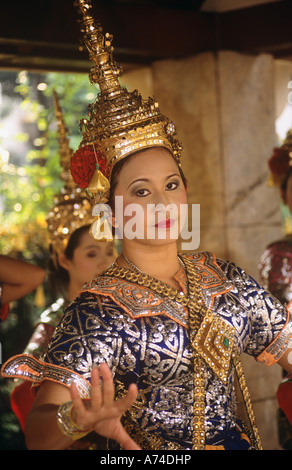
pixel 120 122
pixel 72 208
pixel 281 161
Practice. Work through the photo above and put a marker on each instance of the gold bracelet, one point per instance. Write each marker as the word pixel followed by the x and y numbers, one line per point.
pixel 66 423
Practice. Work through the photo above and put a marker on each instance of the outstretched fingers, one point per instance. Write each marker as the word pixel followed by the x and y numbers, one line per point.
pixel 102 412
pixel 128 400
pixel 108 389
pixel 105 394
pixel 96 389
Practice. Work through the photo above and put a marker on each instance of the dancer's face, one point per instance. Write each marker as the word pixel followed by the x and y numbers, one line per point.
pixel 152 193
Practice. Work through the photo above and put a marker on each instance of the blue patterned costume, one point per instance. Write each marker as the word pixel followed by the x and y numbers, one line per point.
pixel 144 337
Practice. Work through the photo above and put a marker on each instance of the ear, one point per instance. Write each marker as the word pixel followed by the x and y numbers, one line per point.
pixel 63 261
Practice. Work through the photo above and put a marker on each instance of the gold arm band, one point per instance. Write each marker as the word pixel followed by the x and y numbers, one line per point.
pixel 66 423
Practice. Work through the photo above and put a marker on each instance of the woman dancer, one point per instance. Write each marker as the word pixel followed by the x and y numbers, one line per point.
pixel 163 330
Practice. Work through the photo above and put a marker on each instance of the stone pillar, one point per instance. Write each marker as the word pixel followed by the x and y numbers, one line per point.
pixel 247 121
pixel 246 87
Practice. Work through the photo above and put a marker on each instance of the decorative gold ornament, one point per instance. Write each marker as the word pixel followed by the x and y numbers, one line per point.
pixel 120 122
pixel 215 342
pixel 98 182
pixel 99 187
pixel 101 229
pixel 72 206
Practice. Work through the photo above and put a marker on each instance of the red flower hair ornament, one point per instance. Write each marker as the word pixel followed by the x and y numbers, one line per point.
pixel 89 170
pixel 83 164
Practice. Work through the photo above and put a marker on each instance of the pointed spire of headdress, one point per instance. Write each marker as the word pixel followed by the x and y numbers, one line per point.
pixel 105 71
pixel 120 122
pixel 64 146
pixel 72 207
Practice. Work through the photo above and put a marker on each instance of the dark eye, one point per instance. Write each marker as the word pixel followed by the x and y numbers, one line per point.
pixel 172 185
pixel 142 192
pixel 91 254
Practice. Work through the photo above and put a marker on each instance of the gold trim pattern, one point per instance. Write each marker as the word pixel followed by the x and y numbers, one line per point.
pixel 26 367
pixel 278 347
pixel 215 341
pixel 247 401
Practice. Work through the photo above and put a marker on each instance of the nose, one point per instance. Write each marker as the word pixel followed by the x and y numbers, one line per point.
pixel 161 197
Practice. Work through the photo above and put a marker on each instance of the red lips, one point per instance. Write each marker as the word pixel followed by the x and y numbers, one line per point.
pixel 165 223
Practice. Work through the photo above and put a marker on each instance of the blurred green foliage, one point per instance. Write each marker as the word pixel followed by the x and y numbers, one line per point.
pixel 27 189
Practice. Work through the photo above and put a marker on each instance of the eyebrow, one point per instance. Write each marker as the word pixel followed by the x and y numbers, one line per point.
pixel 90 247
pixel 146 180
pixel 96 247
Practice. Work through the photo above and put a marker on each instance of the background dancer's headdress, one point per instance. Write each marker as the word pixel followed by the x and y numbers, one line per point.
pixel 120 122
pixel 72 208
